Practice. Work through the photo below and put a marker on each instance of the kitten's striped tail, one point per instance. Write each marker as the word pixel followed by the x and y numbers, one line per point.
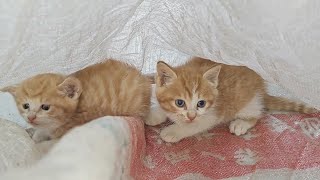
pixel 273 103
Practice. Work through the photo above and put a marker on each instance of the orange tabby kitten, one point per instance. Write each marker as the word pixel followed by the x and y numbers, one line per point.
pixel 202 94
pixel 54 103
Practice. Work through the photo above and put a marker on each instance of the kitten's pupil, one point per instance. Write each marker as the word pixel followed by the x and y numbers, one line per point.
pixel 45 107
pixel 180 102
pixel 201 103
pixel 26 106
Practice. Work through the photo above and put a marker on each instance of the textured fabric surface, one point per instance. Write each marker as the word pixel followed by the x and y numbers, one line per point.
pixel 17 149
pixel 283 146
pixel 278 39
pixel 98 150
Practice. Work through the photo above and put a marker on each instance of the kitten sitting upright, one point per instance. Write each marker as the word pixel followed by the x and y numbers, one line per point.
pixel 202 94
pixel 54 103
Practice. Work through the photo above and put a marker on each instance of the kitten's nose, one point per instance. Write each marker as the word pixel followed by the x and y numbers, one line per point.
pixel 191 115
pixel 31 118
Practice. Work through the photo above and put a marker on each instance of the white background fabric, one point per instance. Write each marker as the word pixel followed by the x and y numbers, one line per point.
pixel 9 111
pixel 278 39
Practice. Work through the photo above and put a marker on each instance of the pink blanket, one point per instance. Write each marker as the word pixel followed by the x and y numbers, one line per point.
pixel 279 141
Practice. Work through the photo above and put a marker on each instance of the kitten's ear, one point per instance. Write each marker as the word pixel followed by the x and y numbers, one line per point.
pixel 10 89
pixel 70 87
pixel 212 75
pixel 165 74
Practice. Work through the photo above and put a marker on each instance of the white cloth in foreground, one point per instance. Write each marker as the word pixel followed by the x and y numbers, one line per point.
pixel 278 39
pixel 96 151
pixel 17 149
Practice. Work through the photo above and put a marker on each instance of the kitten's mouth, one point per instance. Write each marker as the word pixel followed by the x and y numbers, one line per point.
pixel 33 123
pixel 188 121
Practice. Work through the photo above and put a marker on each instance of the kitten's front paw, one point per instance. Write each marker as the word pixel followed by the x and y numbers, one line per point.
pixel 240 127
pixel 31 131
pixel 153 121
pixel 169 134
pixel 155 117
pixel 40 136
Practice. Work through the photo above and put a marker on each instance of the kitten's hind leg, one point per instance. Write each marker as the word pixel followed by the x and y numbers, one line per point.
pixel 155 117
pixel 241 126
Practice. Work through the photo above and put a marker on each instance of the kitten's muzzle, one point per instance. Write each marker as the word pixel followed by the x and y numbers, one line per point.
pixel 32 118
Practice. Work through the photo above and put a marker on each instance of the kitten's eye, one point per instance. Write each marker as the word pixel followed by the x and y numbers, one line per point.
pixel 201 103
pixel 45 107
pixel 26 106
pixel 180 102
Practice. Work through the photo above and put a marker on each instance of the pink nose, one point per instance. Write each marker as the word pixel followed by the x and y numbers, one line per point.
pixel 32 118
pixel 191 116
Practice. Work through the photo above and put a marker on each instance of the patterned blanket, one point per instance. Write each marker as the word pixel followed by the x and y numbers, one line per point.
pixel 286 145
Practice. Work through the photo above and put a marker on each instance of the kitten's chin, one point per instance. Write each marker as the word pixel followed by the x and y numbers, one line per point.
pixel 188 121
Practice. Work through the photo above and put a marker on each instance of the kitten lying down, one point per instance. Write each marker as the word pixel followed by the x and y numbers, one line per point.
pixel 201 94
pixel 55 103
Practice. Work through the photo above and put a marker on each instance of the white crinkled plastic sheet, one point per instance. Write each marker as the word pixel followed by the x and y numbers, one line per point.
pixel 278 39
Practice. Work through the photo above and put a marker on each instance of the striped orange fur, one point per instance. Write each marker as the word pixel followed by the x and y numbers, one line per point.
pixel 109 88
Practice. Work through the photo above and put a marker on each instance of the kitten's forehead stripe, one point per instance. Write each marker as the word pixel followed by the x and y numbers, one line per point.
pixel 189 87
pixel 195 87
